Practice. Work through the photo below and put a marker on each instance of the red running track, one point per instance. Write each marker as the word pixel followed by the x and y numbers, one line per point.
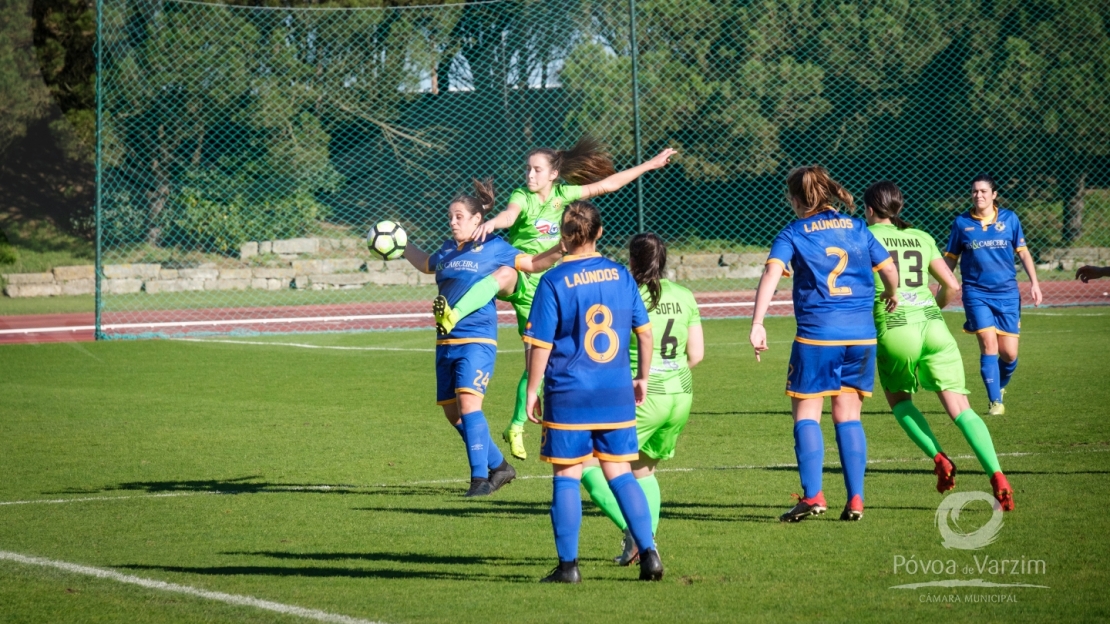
pixel 42 328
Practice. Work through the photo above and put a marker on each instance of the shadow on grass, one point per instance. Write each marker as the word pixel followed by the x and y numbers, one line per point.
pixel 475 509
pixel 246 485
pixel 409 558
pixel 328 571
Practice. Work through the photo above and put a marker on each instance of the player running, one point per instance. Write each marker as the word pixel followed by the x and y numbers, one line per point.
pixel 584 313
pixel 984 240
pixel 465 356
pixel 915 347
pixel 533 216
pixel 670 394
pixel 833 354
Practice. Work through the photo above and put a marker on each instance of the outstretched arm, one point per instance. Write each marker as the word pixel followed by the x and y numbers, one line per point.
pixel 949 286
pixel 418 258
pixel 504 219
pixel 621 178
pixel 541 261
pixel 772 273
pixel 1086 273
pixel 1031 270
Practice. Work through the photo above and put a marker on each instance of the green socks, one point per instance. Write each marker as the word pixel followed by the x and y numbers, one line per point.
pixel 477 297
pixel 915 426
pixel 593 479
pixel 651 491
pixel 975 430
pixel 519 415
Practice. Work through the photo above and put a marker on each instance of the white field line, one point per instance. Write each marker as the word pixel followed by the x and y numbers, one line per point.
pixel 295 319
pixel 231 599
pixel 279 489
pixel 312 346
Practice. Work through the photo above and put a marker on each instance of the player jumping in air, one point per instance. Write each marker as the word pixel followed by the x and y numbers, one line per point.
pixel 915 347
pixel 533 216
pixel 833 354
pixel 583 316
pixel 465 356
pixel 678 347
pixel 984 241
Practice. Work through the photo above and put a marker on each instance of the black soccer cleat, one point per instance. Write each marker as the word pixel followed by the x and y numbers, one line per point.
pixel 651 566
pixel 479 487
pixel 565 572
pixel 501 476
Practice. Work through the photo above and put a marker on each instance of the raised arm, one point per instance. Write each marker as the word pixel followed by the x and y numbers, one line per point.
pixel 541 261
pixel 949 286
pixel 418 258
pixel 772 273
pixel 1031 270
pixel 504 219
pixel 621 178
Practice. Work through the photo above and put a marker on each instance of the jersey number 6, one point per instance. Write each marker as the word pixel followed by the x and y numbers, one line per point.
pixel 602 328
pixel 840 266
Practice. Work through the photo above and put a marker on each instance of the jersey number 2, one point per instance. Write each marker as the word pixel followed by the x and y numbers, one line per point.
pixel 841 264
pixel 596 328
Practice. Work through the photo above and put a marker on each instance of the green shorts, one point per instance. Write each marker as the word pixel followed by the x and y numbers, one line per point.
pixel 922 354
pixel 659 421
pixel 521 299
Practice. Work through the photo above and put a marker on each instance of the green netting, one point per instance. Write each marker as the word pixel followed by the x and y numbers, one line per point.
pixel 244 151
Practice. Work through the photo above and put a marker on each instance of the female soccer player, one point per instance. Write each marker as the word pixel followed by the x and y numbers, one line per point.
pixel 533 216
pixel 663 414
pixel 833 354
pixel 915 347
pixel 583 315
pixel 465 357
pixel 984 240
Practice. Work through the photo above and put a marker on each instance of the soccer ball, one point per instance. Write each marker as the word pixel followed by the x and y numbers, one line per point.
pixel 387 240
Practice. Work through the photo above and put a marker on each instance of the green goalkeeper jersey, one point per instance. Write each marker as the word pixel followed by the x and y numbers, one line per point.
pixel 536 228
pixel 670 327
pixel 912 250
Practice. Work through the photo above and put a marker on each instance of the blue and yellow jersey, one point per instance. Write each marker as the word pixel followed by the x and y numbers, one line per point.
pixel 585 310
pixel 985 249
pixel 458 268
pixel 833 257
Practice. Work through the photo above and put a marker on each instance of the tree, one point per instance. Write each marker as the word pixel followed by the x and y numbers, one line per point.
pixel 22 95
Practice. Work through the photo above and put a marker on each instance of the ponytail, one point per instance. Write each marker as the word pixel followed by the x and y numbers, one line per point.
pixel 884 198
pixel 481 202
pixel 813 189
pixel 647 259
pixel 585 163
pixel 581 224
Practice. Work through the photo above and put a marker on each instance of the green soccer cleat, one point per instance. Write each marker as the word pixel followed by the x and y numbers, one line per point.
pixel 996 409
pixel 446 318
pixel 514 437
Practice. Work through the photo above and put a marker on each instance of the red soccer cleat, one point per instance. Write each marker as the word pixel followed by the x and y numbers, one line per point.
pixel 1002 491
pixel 945 471
pixel 853 510
pixel 813 506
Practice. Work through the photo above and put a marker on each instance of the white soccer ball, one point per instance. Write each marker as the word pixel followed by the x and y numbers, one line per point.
pixel 387 240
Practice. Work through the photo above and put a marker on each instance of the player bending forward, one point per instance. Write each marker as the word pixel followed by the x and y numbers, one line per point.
pixel 582 316
pixel 915 346
pixel 833 354
pixel 465 356
pixel 678 347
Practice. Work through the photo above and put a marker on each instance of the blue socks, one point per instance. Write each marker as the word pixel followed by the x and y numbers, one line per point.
pixel 988 368
pixel 634 507
pixel 809 448
pixel 478 444
pixel 1006 370
pixel 853 456
pixel 494 456
pixel 566 516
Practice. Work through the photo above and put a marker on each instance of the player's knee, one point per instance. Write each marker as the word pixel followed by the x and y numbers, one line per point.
pixel 506 280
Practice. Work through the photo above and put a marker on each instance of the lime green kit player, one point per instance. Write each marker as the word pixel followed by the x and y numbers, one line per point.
pixel 915 348
pixel 678 346
pixel 533 216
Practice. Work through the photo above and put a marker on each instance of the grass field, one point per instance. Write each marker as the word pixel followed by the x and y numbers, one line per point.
pixel 327 479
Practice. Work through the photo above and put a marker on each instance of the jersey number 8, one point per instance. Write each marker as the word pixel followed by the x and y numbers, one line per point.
pixel 602 328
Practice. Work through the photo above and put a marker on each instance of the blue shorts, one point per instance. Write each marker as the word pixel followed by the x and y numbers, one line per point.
pixel 463 367
pixel 1000 315
pixel 827 370
pixel 574 446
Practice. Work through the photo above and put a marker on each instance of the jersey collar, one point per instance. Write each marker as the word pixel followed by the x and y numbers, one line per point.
pixel 572 258
pixel 994 218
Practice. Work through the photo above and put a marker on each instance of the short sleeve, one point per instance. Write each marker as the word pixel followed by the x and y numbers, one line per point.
pixel 782 250
pixel 640 320
pixel 693 315
pixel 434 259
pixel 520 198
pixel 506 254
pixel 880 257
pixel 1019 236
pixel 543 320
pixel 571 193
pixel 954 246
pixel 931 245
